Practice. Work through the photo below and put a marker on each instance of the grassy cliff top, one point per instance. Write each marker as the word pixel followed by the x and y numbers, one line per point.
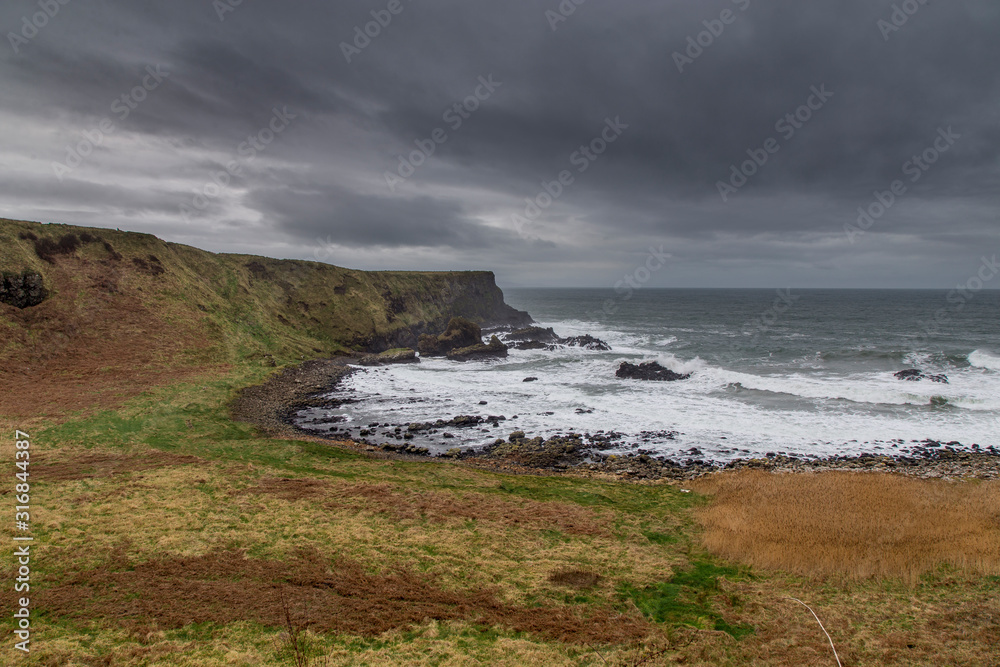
pixel 119 301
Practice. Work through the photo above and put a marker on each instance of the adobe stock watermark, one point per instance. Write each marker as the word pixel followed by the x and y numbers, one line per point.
pixel 247 152
pixel 625 288
pixel 363 35
pixel 31 26
pixel 914 168
pixel 562 12
pixel 786 126
pixel 122 107
pixel 764 322
pixel 957 298
pixel 899 17
pixel 714 28
pixel 223 7
pixel 581 159
pixel 455 116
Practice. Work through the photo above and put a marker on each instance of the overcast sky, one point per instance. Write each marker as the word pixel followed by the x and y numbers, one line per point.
pixel 120 113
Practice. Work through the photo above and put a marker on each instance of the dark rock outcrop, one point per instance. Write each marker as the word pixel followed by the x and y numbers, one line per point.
pixel 424 303
pixel 587 342
pixel 532 345
pixel 650 370
pixel 915 375
pixel 406 356
pixel 537 338
pixel 22 290
pixel 460 333
pixel 460 421
pixel 493 350
pixel 533 334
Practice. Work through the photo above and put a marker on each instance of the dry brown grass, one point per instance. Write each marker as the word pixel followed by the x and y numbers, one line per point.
pixel 94 348
pixel 329 594
pixel 852 524
pixel 61 467
pixel 404 504
pixel 575 578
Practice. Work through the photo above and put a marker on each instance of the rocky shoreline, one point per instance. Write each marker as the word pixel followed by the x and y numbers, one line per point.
pixel 274 405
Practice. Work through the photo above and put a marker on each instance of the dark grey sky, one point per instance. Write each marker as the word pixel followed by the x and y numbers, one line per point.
pixel 199 78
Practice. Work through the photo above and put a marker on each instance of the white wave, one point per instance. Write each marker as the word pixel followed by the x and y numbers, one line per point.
pixel 707 416
pixel 918 359
pixel 985 359
pixel 668 360
pixel 802 404
pixel 874 389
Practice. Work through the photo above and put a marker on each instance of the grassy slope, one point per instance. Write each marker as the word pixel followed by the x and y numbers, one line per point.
pixel 117 320
pixel 289 308
pixel 113 497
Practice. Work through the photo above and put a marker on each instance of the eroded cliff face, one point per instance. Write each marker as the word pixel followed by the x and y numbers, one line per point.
pixel 424 303
pixel 242 305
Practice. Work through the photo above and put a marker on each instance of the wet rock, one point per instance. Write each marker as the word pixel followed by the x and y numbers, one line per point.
pixel 400 356
pixel 531 345
pixel 493 350
pixel 533 335
pixel 465 420
pixel 587 342
pixel 558 453
pixel 915 375
pixel 650 370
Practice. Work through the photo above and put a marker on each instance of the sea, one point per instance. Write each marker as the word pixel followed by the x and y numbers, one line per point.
pixel 808 373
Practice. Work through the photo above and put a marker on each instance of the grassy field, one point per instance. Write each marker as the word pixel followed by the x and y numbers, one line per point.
pixel 168 534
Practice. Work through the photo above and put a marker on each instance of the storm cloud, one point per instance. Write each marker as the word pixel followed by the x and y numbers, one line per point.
pixel 446 134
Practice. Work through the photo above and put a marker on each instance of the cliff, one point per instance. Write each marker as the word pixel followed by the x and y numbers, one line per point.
pixel 73 297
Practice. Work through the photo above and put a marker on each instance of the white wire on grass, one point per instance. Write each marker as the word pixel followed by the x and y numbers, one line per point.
pixel 820 627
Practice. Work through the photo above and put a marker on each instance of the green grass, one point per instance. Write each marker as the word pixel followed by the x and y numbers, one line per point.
pixel 686 598
pixel 660 538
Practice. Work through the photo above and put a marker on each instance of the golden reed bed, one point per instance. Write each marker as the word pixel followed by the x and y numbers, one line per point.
pixel 856 525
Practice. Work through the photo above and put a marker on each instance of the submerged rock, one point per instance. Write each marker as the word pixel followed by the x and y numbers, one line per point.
pixel 915 375
pixel 650 370
pixel 531 345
